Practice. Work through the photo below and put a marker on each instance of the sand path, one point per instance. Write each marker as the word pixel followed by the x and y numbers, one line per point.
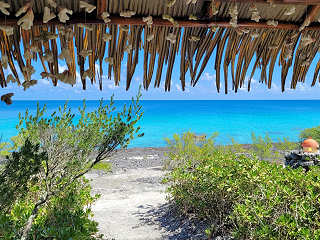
pixel 133 206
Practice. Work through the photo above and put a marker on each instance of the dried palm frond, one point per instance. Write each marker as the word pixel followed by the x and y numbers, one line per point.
pixel 85 53
pixel 48 56
pixel 10 78
pixel 255 15
pixel 305 63
pixel 272 23
pixel 7 98
pixel 4 61
pixel 29 70
pixel 214 28
pixel 170 19
pixel 27 84
pixel 7 29
pixel 148 20
pixel 170 3
pixel 63 14
pixel 290 11
pixel 254 34
pixel 273 47
pixel 214 9
pixel 106 37
pixel 128 48
pixel 47 15
pixel 233 12
pixel 194 38
pixel 193 17
pixel 305 24
pixel 238 31
pixel 23 9
pixel 26 21
pixel 172 38
pixel 52 3
pixel 105 16
pixel 3 7
pixel 87 6
pixel 150 37
pixel 27 54
pixel 191 1
pixel 67 77
pixel 109 60
pixel 127 14
pixel 87 74
pixel 85 26
pixel 125 28
pixel 306 40
pixel 65 55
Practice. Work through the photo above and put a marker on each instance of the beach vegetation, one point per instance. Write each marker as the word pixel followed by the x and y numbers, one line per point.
pixel 103 166
pixel 43 192
pixel 313 132
pixel 242 196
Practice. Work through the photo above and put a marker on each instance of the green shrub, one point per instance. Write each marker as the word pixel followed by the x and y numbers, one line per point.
pixel 50 155
pixel 67 216
pixel 104 166
pixel 311 132
pixel 286 145
pixel 244 196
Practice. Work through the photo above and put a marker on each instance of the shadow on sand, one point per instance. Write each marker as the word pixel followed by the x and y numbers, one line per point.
pixel 165 219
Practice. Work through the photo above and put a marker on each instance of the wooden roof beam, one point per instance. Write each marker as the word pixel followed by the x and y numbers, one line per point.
pixel 137 21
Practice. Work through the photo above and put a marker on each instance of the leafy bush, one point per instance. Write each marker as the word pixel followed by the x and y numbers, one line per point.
pixel 311 132
pixel 244 196
pixel 52 153
pixel 104 166
pixel 66 216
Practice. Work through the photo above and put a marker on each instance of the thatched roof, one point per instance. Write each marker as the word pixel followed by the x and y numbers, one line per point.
pixel 240 35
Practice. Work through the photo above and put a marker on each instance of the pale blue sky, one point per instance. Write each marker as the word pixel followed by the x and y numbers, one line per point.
pixel 205 89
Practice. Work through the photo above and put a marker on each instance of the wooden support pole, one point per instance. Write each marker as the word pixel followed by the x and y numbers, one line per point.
pixel 137 21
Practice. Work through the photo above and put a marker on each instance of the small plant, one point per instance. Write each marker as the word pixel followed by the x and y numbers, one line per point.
pixel 286 145
pixel 186 148
pixel 262 146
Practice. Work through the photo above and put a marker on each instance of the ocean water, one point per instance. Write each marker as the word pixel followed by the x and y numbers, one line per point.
pixel 232 119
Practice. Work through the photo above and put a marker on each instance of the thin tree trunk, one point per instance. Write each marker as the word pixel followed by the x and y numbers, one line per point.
pixel 28 225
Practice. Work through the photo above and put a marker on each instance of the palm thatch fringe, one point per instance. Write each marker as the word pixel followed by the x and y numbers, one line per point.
pixel 237 51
